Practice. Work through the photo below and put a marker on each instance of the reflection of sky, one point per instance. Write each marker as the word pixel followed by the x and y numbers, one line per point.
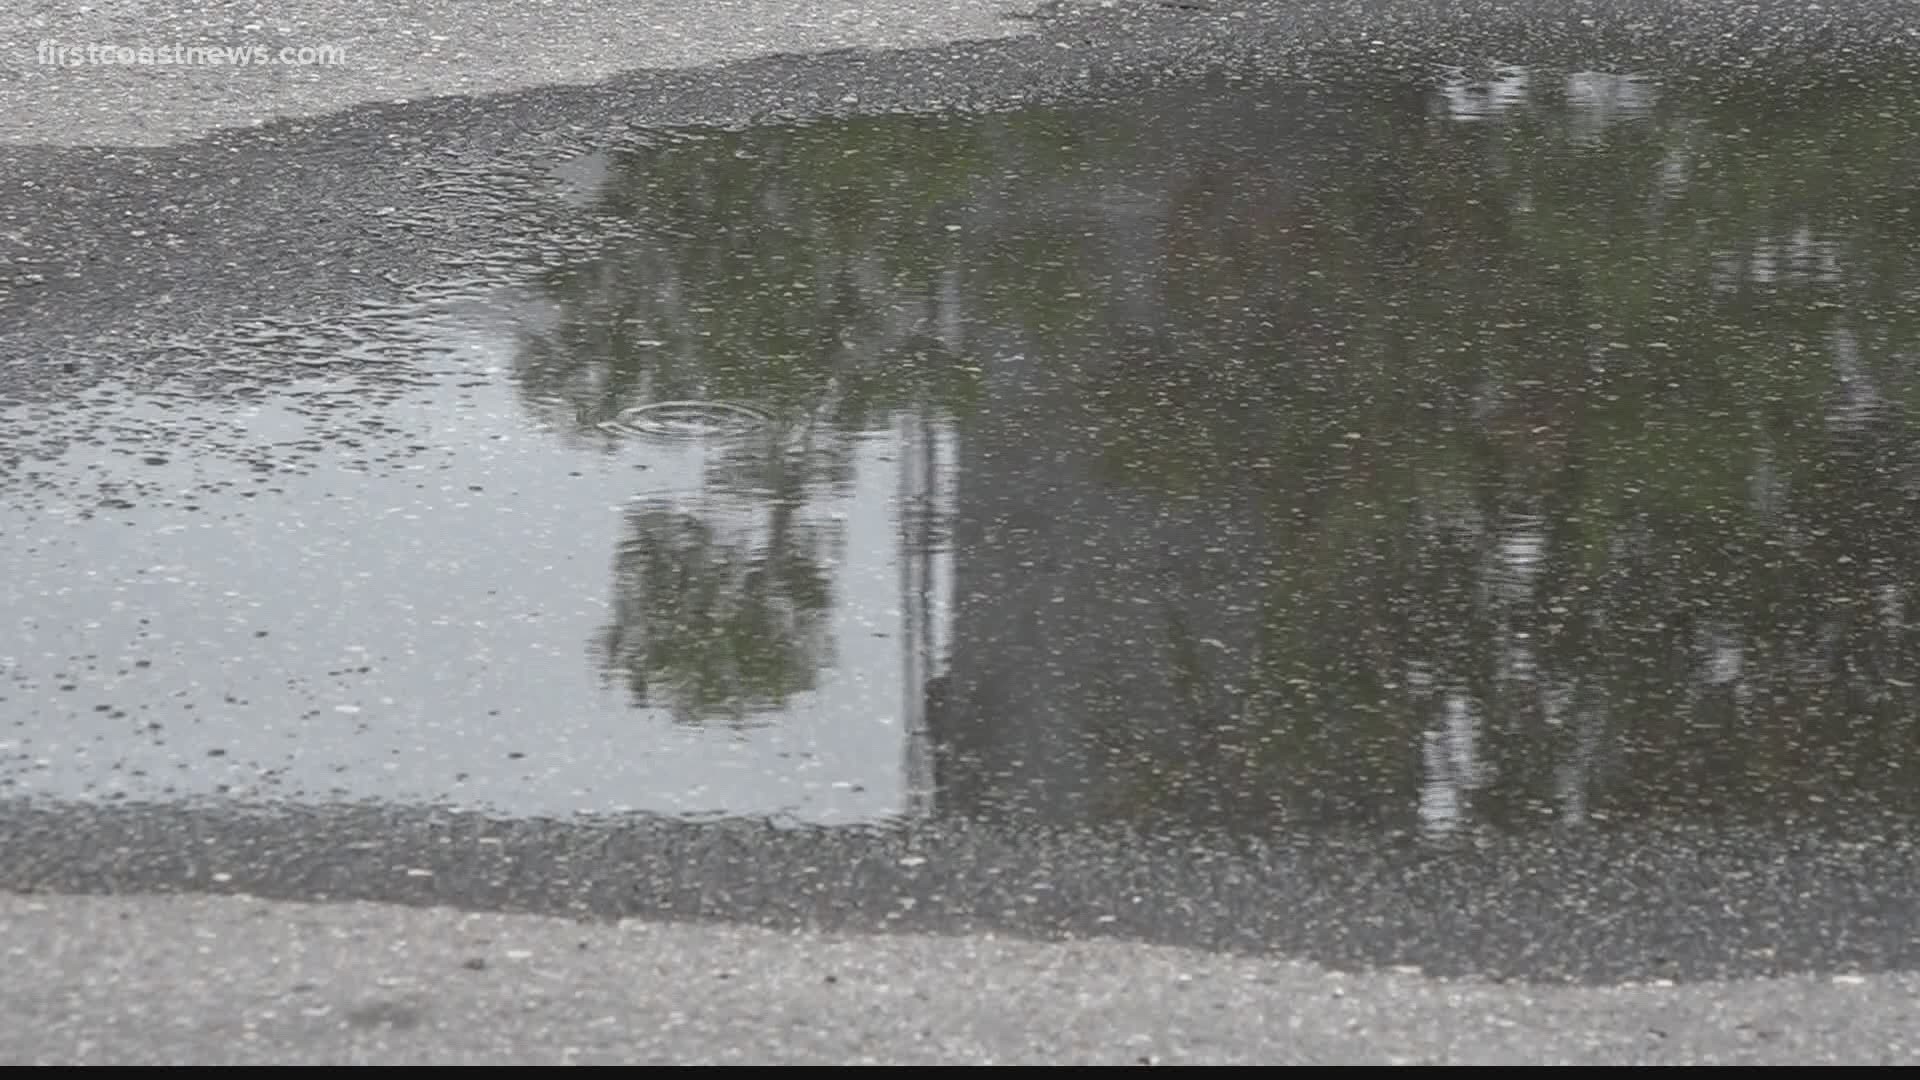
pixel 468 583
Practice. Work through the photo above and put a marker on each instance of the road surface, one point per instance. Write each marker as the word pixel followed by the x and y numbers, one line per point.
pixel 369 946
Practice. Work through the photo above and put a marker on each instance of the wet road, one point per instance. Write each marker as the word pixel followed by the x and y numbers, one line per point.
pixel 1433 492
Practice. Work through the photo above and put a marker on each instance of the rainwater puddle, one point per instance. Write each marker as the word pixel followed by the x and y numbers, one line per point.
pixel 1511 449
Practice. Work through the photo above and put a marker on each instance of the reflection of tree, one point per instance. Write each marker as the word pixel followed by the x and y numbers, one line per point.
pixel 712 623
pixel 1642 547
pixel 805 270
pixel 797 268
pixel 1566 462
pixel 1675 631
pixel 1561 462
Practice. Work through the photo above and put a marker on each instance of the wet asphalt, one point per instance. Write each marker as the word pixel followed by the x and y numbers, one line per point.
pixel 499 939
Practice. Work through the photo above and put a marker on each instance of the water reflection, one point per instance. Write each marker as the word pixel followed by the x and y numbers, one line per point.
pixel 379 583
pixel 1512 448
pixel 720 611
pixel 1533 446
pixel 798 276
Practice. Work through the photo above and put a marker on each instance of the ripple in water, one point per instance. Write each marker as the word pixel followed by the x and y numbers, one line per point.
pixel 688 420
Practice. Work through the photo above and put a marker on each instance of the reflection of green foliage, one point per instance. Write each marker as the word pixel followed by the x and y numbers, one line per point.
pixel 1388 341
pixel 798 269
pixel 710 625
pixel 1643 461
pixel 1414 347
pixel 794 267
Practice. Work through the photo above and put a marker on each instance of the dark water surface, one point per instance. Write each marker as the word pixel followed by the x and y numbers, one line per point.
pixel 1491 451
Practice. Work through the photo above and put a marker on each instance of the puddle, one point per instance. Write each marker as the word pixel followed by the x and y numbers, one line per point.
pixel 1518 449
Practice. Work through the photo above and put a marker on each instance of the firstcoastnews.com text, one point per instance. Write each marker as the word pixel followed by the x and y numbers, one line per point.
pixel 55 54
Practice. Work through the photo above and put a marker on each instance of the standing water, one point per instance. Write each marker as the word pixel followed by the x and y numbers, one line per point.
pixel 1487 450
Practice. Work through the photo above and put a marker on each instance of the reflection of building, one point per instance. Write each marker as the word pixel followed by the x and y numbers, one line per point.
pixel 1104 630
pixel 1097 631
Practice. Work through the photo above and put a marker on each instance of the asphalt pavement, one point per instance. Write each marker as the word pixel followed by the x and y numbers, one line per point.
pixel 235 981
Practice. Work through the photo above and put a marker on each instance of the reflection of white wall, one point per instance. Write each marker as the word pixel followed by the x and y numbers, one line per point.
pixel 1597 99
pixel 468 581
pixel 1594 100
pixel 1483 99
pixel 1800 257
pixel 1450 761
pixel 1857 400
